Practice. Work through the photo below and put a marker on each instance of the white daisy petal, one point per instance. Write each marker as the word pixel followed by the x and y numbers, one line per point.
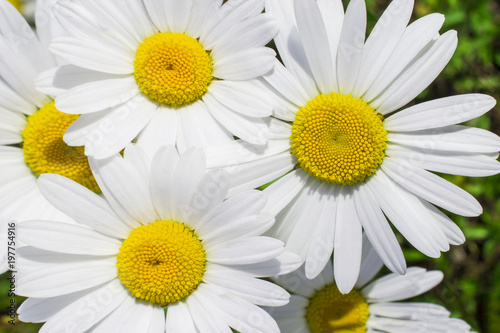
pixel 239 206
pixel 397 325
pixel 134 194
pixel 472 165
pixel 97 95
pixel 284 82
pixel 239 228
pixel 239 152
pixel 134 19
pixel 298 283
pixel 293 226
pixel 333 18
pixel 210 192
pixel 177 14
pixel 61 279
pixel 8 137
pixel 205 321
pixel 252 32
pixel 96 304
pixel 160 131
pixel 351 46
pixel 19 34
pixel 254 290
pixel 410 220
pixel 157 14
pixel 320 251
pixel 416 36
pixel 455 138
pixel 119 127
pixel 244 65
pixel 370 263
pixel 395 287
pixel 179 318
pixel 431 187
pixel 283 191
pixel 253 130
pixel 348 239
pixel 158 323
pixel 381 43
pixel 378 230
pixel 245 251
pixel 83 53
pixel 451 230
pixel 288 262
pixel 37 310
pixel 292 216
pixel 240 314
pixel 314 38
pixel 19 74
pixel 84 19
pixel 440 112
pixel 412 311
pixel 187 174
pixel 91 125
pixel 229 15
pixel 197 128
pixel 13 101
pixel 163 167
pixel 67 238
pixel 243 97
pixel 59 79
pixel 199 11
pixel 289 44
pixel 130 315
pixel 418 75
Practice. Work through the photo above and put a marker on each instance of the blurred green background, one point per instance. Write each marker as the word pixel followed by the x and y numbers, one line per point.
pixel 471 289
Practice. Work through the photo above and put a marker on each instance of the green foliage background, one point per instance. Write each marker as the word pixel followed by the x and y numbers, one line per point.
pixel 471 289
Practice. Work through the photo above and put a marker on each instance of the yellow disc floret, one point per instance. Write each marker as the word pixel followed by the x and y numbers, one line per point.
pixel 16 3
pixel 329 311
pixel 172 68
pixel 338 139
pixel 161 262
pixel 46 152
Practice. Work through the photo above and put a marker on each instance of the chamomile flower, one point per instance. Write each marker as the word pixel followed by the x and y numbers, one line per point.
pixel 31 129
pixel 352 160
pixel 163 238
pixel 166 71
pixel 317 306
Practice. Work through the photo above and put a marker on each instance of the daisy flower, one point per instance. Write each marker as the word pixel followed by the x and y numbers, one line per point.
pixel 162 238
pixel 318 306
pixel 165 71
pixel 31 128
pixel 353 160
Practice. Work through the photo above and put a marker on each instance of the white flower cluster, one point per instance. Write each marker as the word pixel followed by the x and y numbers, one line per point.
pixel 170 174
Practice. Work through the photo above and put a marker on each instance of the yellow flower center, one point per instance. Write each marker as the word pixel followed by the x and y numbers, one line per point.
pixel 338 139
pixel 172 68
pixel 16 3
pixel 161 262
pixel 329 311
pixel 46 152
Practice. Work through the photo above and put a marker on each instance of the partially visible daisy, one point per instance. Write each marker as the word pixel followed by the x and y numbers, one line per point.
pixel 31 128
pixel 168 71
pixel 163 238
pixel 353 161
pixel 317 306
pixel 25 7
